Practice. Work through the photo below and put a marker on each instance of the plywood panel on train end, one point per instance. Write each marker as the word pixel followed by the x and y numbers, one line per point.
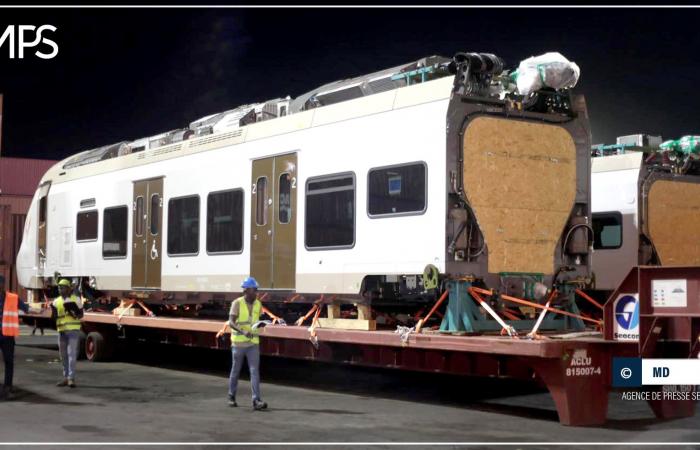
pixel 520 179
pixel 673 217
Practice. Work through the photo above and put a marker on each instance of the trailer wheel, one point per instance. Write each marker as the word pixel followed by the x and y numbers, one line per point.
pixel 97 348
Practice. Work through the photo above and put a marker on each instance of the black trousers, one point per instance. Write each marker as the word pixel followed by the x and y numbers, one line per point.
pixel 7 346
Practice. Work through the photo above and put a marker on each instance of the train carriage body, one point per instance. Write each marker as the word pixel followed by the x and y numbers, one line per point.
pixel 347 198
pixel 643 214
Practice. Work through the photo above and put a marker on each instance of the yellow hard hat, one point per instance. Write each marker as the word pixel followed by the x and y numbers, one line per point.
pixel 64 282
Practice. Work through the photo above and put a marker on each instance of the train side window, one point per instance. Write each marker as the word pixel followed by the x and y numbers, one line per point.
pixel 261 201
pixel 86 226
pixel 607 230
pixel 42 210
pixel 114 231
pixel 139 216
pixel 183 225
pixel 330 212
pixel 397 190
pixel 225 222
pixel 155 209
pixel 285 198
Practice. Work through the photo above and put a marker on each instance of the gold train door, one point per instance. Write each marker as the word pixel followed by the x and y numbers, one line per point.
pixel 273 222
pixel 147 234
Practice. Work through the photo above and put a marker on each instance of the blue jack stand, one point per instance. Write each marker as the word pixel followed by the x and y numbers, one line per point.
pixel 464 314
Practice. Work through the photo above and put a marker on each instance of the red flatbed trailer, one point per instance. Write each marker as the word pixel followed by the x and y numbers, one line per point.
pixel 575 368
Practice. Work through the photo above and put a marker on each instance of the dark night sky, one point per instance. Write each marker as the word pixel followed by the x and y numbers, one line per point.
pixel 124 74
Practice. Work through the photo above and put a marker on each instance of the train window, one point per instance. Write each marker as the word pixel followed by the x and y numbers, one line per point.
pixel 86 226
pixel 183 226
pixel 42 210
pixel 87 203
pixel 138 216
pixel 397 190
pixel 225 221
pixel 285 200
pixel 155 205
pixel 330 212
pixel 607 230
pixel 261 201
pixel 114 230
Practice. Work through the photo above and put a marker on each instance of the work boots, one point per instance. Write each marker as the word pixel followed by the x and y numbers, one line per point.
pixel 6 393
pixel 259 405
pixel 66 382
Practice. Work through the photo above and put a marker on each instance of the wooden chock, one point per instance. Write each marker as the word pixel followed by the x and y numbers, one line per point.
pixel 363 322
pixel 363 312
pixel 333 311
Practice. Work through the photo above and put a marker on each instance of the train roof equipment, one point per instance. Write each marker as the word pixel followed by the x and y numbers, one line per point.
pixel 681 156
pixel 475 74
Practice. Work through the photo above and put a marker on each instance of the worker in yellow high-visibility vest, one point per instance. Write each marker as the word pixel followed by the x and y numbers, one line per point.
pixel 10 305
pixel 245 343
pixel 67 310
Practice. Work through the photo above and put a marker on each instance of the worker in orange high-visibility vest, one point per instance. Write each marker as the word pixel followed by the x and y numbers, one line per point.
pixel 10 305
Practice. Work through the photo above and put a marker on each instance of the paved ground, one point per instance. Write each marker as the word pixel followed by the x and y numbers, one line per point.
pixel 179 395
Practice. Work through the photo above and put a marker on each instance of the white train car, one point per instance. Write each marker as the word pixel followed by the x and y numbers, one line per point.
pixel 351 190
pixel 644 213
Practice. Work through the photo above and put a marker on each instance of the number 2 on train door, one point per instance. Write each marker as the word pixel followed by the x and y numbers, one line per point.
pixel 273 222
pixel 147 213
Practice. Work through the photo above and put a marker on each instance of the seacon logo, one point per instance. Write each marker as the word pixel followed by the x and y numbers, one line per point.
pixel 18 38
pixel 626 308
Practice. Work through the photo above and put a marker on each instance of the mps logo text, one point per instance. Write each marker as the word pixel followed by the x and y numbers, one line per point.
pixel 16 39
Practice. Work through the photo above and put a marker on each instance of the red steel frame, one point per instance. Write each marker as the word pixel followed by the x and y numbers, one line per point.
pixel 664 332
pixel 574 368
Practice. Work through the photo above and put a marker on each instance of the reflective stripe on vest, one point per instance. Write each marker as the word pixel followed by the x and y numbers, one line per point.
pixel 65 322
pixel 10 315
pixel 245 322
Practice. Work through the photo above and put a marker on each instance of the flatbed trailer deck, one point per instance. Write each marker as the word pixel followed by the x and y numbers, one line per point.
pixel 580 396
pixel 574 367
